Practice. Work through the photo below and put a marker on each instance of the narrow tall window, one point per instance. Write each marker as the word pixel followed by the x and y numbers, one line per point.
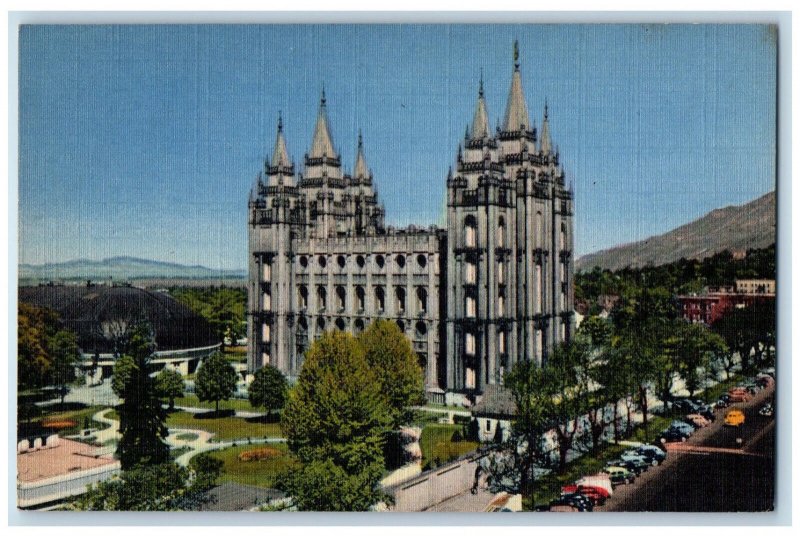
pixel 470 232
pixel 469 378
pixel 563 237
pixel 302 296
pixel 470 306
pixel 266 301
pixel 470 272
pixel 266 272
pixel 265 333
pixel 400 294
pixel 501 272
pixel 422 300
pixel 469 343
pixel 501 233
pixel 501 342
pixel 340 298
pixel 501 305
pixel 360 297
pixel 380 299
pixel 322 298
pixel 539 289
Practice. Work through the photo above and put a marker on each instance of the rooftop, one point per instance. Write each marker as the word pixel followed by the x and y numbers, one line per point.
pixel 67 457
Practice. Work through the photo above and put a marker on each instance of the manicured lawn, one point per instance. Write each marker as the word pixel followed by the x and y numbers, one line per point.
pixel 256 473
pixel 224 428
pixel 189 437
pixel 232 404
pixel 436 444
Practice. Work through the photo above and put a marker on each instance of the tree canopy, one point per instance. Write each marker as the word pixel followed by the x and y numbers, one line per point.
pixel 215 380
pixel 268 389
pixel 170 385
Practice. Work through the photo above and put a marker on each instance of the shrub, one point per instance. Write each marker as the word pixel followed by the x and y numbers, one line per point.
pixel 461 420
pixel 457 437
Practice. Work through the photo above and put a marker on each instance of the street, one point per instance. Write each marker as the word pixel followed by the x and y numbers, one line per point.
pixel 711 471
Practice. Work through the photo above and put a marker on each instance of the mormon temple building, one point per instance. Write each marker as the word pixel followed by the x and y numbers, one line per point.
pixel 493 288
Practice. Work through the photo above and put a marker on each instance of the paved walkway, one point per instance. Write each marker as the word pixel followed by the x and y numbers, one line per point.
pixel 237 413
pixel 466 502
pixel 202 443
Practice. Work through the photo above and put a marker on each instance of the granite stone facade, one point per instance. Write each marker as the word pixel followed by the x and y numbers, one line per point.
pixel 492 288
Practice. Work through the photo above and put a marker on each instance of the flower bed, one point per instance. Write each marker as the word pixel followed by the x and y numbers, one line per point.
pixel 59 424
pixel 260 454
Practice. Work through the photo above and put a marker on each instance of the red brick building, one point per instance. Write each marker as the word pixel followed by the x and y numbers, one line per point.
pixel 712 305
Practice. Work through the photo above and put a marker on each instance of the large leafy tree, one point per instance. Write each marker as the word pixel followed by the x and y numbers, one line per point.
pixel 512 467
pixel 389 354
pixel 41 342
pixel 170 385
pixel 268 389
pixel 694 350
pixel 142 418
pixel 335 422
pixel 222 307
pixel 215 380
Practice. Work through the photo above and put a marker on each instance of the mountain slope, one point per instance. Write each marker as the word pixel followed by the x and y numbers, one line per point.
pixel 120 268
pixel 734 228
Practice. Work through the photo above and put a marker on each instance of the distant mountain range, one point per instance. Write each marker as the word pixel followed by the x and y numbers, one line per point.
pixel 735 228
pixel 121 269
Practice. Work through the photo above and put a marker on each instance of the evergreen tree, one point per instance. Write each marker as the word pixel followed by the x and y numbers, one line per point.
pixel 141 415
pixel 170 385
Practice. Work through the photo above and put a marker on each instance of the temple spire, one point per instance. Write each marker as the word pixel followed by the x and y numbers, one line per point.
pixel 547 145
pixel 480 122
pixel 361 171
pixel 280 157
pixel 322 144
pixel 516 117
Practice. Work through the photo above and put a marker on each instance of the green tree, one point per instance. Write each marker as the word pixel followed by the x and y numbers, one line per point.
pixel 268 389
pixel 170 385
pixel 695 349
pixel 597 330
pixel 336 418
pixel 222 307
pixel 142 418
pixel 124 369
pixel 65 358
pixel 35 329
pixel 205 470
pixel 215 380
pixel 390 355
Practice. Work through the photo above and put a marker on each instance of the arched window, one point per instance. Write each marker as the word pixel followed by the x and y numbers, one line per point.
pixel 360 298
pixel 400 295
pixel 322 262
pixel 302 325
pixel 422 300
pixel 359 326
pixel 341 261
pixel 421 329
pixel 401 325
pixel 380 261
pixel 501 305
pixel 266 272
pixel 321 324
pixel 501 232
pixel 380 299
pixel 303 261
pixel 422 261
pixel 400 260
pixel 340 324
pixel 360 261
pixel 302 297
pixel 322 298
pixel 470 232
pixel 340 298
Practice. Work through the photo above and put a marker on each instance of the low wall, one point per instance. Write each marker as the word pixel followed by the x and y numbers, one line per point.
pixel 435 486
pixel 57 488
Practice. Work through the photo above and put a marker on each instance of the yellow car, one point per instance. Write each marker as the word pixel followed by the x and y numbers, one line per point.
pixel 734 418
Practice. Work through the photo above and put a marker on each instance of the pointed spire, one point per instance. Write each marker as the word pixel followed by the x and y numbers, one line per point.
pixel 516 117
pixel 280 157
pixel 361 171
pixel 480 122
pixel 322 144
pixel 547 145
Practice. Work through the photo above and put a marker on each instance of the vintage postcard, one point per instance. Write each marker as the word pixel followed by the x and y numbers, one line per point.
pixel 397 267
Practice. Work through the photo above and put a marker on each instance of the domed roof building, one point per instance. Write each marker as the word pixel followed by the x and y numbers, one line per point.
pixel 101 314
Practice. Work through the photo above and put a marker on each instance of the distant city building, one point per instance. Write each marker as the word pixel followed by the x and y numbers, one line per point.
pixel 101 315
pixel 492 288
pixel 717 300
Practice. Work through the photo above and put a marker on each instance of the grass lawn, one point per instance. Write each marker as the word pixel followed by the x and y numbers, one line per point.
pixel 224 428
pixel 189 437
pixel 191 400
pixel 436 444
pixel 256 473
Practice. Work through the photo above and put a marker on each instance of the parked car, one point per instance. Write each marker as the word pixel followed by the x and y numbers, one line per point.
pixel 653 452
pixel 570 503
pixel 579 500
pixel 697 420
pixel 734 418
pixel 649 459
pixel 672 435
pixel 682 426
pixel 684 405
pixel 753 387
pixel 619 475
pixel 721 404
pixel 631 466
pixel 767 410
pixel 708 413
pixel 599 495
pixel 600 481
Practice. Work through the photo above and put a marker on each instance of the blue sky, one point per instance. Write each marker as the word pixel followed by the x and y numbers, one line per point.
pixel 145 140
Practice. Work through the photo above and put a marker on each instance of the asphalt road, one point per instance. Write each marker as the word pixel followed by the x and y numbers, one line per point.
pixel 711 471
